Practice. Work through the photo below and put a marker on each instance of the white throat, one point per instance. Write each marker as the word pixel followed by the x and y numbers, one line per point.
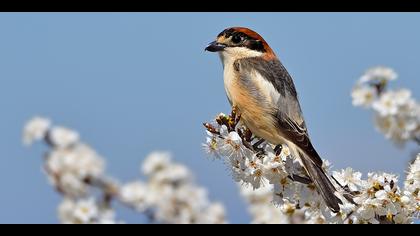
pixel 228 58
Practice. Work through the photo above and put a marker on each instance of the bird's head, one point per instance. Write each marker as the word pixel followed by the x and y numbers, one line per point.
pixel 239 42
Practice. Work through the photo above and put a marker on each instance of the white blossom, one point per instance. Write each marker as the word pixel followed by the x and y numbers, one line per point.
pixel 136 194
pixel 66 211
pixel 378 73
pixel 260 205
pixel 210 147
pixel 107 217
pixel 182 205
pixel 231 146
pixel 213 214
pixel 68 169
pixel 363 96
pixel 390 102
pixel 171 194
pixel 350 178
pixel 84 211
pixel 35 130
pixel 62 137
pixel 412 183
pixel 412 187
pixel 156 161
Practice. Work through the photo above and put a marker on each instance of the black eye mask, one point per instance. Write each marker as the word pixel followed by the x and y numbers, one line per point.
pixel 256 45
pixel 240 39
pixel 236 39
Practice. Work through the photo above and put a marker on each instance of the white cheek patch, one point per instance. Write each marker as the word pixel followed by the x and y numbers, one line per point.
pixel 240 52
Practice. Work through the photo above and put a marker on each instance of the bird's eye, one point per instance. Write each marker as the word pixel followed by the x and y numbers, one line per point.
pixel 236 39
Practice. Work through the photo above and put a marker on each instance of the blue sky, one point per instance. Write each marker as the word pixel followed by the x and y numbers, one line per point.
pixel 131 83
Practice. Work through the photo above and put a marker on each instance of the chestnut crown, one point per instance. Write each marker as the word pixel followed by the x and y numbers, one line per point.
pixel 240 37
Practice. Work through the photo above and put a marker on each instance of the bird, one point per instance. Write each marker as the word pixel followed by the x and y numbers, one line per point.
pixel 263 93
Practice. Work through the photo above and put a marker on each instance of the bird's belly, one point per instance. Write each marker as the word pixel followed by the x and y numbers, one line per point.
pixel 255 114
pixel 262 127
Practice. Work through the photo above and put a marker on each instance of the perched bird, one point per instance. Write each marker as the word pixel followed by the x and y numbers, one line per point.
pixel 263 92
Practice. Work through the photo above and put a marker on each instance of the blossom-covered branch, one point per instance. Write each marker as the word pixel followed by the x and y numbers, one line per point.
pixel 396 113
pixel 77 172
pixel 170 194
pixel 262 210
pixel 270 170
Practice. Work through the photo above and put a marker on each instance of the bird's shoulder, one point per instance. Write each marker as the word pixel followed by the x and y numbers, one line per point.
pixel 285 98
pixel 271 70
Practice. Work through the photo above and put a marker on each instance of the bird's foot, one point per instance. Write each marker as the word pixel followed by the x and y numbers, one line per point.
pixel 235 116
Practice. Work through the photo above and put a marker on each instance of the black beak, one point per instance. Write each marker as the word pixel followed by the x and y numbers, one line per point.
pixel 215 47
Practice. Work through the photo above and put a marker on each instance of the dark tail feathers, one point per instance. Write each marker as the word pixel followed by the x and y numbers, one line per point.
pixel 322 183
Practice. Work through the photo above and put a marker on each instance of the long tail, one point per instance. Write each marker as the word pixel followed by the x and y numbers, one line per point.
pixel 322 182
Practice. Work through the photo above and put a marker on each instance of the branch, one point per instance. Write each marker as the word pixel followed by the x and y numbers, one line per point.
pixel 77 172
pixel 254 163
